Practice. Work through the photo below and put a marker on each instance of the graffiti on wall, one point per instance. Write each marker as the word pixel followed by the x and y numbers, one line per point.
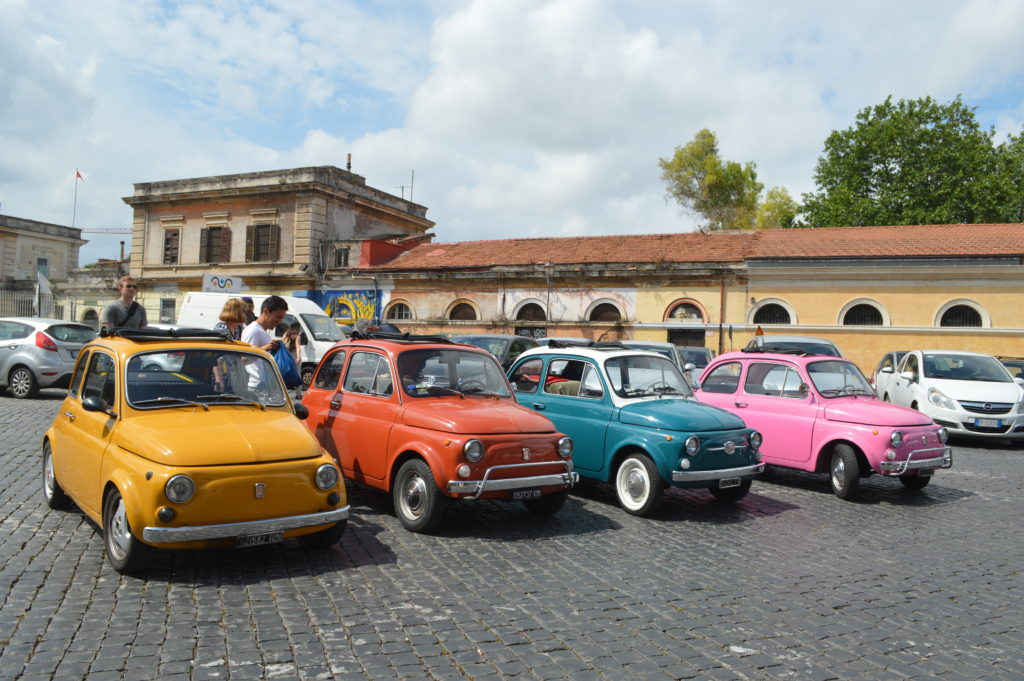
pixel 348 306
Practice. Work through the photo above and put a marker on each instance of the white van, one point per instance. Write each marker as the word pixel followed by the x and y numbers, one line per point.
pixel 319 332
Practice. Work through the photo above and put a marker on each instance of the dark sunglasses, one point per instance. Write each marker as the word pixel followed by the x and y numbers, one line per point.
pixel 129 286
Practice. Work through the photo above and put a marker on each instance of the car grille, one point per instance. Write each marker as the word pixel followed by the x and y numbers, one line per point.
pixel 992 407
pixel 986 429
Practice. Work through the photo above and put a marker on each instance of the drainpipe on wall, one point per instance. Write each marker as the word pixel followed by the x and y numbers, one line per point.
pixel 721 314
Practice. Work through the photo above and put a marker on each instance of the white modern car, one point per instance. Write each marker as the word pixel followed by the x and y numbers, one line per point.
pixel 969 393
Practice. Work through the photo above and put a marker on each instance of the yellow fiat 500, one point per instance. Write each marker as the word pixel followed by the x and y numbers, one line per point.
pixel 186 439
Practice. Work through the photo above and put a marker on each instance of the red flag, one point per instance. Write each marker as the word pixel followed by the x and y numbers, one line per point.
pixel 78 175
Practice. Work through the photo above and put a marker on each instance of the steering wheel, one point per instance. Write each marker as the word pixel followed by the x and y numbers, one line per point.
pixel 653 387
pixel 472 384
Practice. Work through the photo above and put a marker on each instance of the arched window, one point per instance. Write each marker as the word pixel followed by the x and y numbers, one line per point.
pixel 772 313
pixel 960 315
pixel 531 312
pixel 462 312
pixel 398 311
pixel 686 312
pixel 605 312
pixel 863 315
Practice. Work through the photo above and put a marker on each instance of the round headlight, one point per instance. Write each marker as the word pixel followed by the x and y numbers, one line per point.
pixel 565 447
pixel 896 439
pixel 692 445
pixel 473 451
pixel 684 463
pixel 755 440
pixel 943 434
pixel 326 476
pixel 180 489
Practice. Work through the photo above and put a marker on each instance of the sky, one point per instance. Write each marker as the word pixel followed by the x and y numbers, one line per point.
pixel 505 118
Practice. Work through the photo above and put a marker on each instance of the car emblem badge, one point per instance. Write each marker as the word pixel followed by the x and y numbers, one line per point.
pixel 526 453
pixel 924 439
pixel 729 447
pixel 987 407
pixel 260 490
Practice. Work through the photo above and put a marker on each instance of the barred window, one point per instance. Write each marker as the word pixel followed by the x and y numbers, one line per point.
pixel 605 312
pixel 215 245
pixel 172 238
pixel 399 311
pixel 531 312
pixel 463 311
pixel 772 313
pixel 341 257
pixel 863 315
pixel 262 243
pixel 960 315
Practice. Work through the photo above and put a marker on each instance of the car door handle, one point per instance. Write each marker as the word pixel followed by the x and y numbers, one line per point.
pixel 336 404
pixel 538 406
pixel 740 404
pixel 71 417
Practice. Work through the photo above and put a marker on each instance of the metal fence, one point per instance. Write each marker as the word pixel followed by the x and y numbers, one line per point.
pixel 31 304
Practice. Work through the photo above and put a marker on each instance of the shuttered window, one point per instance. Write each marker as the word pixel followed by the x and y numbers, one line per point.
pixel 215 245
pixel 171 240
pixel 262 243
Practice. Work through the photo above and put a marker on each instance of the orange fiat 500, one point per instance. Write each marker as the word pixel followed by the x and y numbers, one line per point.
pixel 428 419
pixel 187 439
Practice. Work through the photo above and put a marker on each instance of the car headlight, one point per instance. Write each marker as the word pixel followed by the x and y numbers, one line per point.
pixel 326 476
pixel 943 434
pixel 939 400
pixel 473 451
pixel 565 447
pixel 755 439
pixel 179 489
pixel 896 439
pixel 692 445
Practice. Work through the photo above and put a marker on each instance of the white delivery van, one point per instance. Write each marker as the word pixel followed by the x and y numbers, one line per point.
pixel 319 332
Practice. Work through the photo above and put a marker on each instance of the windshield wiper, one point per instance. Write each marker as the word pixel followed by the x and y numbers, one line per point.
pixel 481 391
pixel 172 401
pixel 441 390
pixel 234 398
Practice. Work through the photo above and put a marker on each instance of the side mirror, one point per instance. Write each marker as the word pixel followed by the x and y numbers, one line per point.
pixel 301 410
pixel 689 366
pixel 303 339
pixel 909 375
pixel 886 370
pixel 804 388
pixel 1019 380
pixel 94 403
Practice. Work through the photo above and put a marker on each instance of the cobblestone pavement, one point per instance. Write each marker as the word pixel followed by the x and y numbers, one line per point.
pixel 791 583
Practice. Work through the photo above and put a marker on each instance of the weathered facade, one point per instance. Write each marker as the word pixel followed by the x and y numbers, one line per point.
pixel 30 246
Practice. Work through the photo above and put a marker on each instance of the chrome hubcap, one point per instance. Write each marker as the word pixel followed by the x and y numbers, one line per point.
pixel 838 471
pixel 633 484
pixel 414 494
pixel 19 383
pixel 48 476
pixel 120 535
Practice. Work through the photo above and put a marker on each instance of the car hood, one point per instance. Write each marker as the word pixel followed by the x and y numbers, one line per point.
pixel 975 391
pixel 677 414
pixel 484 416
pixel 872 412
pixel 221 436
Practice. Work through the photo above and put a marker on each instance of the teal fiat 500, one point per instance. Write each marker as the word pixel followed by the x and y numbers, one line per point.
pixel 635 423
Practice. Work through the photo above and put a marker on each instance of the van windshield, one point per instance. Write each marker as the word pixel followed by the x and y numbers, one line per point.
pixel 323 327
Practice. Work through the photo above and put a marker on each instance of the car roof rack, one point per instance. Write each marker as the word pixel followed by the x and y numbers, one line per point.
pixel 593 345
pixel 400 337
pixel 151 334
pixel 780 350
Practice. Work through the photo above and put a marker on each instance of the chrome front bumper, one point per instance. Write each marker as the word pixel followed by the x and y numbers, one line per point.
pixel 699 476
pixel 901 467
pixel 164 535
pixel 478 487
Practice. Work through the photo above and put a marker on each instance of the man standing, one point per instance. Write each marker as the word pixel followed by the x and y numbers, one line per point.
pixel 250 316
pixel 125 312
pixel 272 313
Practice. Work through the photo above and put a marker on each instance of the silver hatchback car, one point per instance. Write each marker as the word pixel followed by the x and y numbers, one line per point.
pixel 39 353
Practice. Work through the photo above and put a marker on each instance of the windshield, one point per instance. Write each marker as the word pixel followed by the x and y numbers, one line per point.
pixel 187 377
pixel 698 358
pixel 451 372
pixel 965 368
pixel 838 379
pixel 323 327
pixel 644 376
pixel 660 349
pixel 495 346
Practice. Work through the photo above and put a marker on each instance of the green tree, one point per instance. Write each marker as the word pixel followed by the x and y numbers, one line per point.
pixel 910 162
pixel 724 193
pixel 1010 179
pixel 778 209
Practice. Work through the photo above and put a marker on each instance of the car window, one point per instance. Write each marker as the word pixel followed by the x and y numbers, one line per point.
pixel 167 379
pixel 526 376
pixel 100 379
pixel 323 327
pixel 519 346
pixel 887 361
pixel 564 377
pixel 330 371
pixel 437 372
pixel 14 330
pixel 965 368
pixel 835 378
pixel 71 333
pixel 591 384
pixel 910 364
pixel 636 376
pixel 76 378
pixel 770 378
pixel 367 375
pixel 724 378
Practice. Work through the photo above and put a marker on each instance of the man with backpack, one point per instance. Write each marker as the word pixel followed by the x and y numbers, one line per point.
pixel 125 312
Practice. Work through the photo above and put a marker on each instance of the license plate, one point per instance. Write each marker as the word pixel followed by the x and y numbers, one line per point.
pixel 728 482
pixel 524 494
pixel 988 423
pixel 259 539
pixel 926 472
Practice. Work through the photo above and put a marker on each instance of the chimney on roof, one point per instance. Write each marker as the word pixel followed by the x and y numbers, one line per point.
pixel 348 164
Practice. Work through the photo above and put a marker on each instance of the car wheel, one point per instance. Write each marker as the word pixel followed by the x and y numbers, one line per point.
pixel 915 482
pixel 885 398
pixel 418 503
pixel 22 383
pixel 844 472
pixel 54 493
pixel 549 504
pixel 638 485
pixel 306 374
pixel 913 405
pixel 325 538
pixel 125 553
pixel 731 494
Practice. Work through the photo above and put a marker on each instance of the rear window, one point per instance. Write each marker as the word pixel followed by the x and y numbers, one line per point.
pixel 71 333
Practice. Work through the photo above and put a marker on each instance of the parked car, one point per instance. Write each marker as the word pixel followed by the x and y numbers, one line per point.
pixel 545 341
pixel 425 419
pixel 819 414
pixel 1015 365
pixel 698 356
pixel 886 369
pixel 969 393
pixel 505 347
pixel 636 424
pixel 39 353
pixel 808 344
pixel 210 454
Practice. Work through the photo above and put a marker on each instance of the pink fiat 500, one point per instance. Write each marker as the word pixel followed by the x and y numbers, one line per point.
pixel 819 414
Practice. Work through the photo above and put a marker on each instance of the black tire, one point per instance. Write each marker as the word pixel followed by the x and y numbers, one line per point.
pixel 324 539
pixel 844 472
pixel 125 553
pixel 56 498
pixel 547 505
pixel 306 373
pixel 638 485
pixel 915 482
pixel 731 494
pixel 885 397
pixel 418 502
pixel 22 383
